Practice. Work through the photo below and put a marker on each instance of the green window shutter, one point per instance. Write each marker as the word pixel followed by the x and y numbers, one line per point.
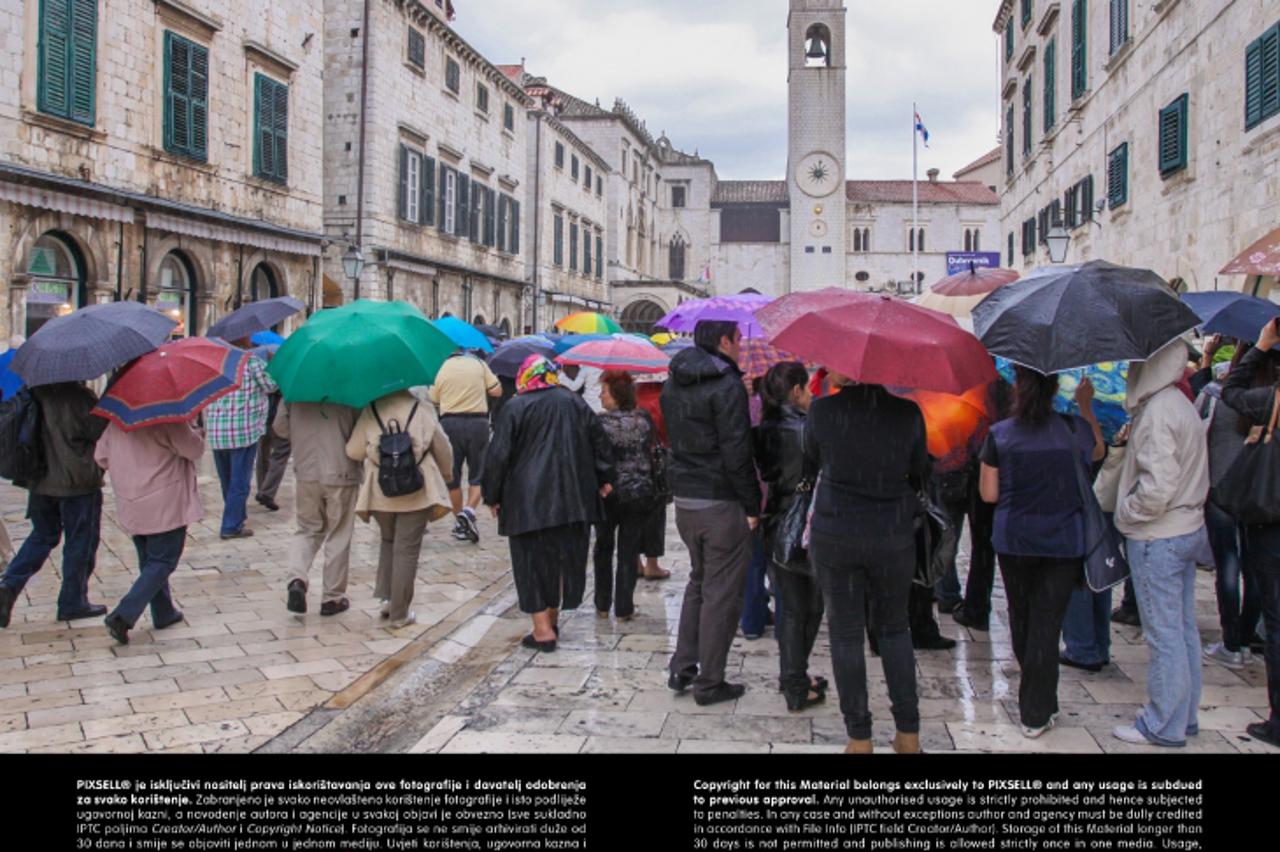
pixel 504 221
pixel 441 197
pixel 427 204
pixel 186 103
pixel 515 226
pixel 1262 78
pixel 461 220
pixel 599 256
pixel 199 102
pixel 490 216
pixel 558 241
pixel 1079 48
pixel 1008 40
pixel 264 149
pixel 1071 205
pixel 53 52
pixel 1050 84
pixel 280 128
pixel 1008 142
pixel 1119 24
pixel 1173 137
pixel 402 191
pixel 1026 12
pixel 586 252
pixel 83 60
pixel 476 225
pixel 573 245
pixel 1026 117
pixel 1010 248
pixel 1118 176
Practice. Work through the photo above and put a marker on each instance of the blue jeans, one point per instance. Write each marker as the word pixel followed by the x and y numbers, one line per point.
pixel 81 519
pixel 1086 631
pixel 158 556
pixel 1238 614
pixel 755 598
pixel 1164 577
pixel 235 472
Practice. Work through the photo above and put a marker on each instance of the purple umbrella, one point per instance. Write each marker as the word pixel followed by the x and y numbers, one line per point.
pixel 740 308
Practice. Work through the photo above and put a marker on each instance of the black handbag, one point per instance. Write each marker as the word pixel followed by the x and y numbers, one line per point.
pixel 1105 565
pixel 1249 490
pixel 936 542
pixel 788 550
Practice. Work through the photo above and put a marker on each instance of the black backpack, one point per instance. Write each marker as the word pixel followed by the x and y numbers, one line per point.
pixel 21 449
pixel 398 471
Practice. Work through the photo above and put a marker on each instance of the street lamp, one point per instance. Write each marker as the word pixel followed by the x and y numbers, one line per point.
pixel 353 265
pixel 1058 239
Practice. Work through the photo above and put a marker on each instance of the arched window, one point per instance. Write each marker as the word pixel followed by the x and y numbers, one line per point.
pixel 262 284
pixel 677 258
pixel 968 240
pixel 817 47
pixel 505 328
pixel 866 239
pixel 640 316
pixel 857 239
pixel 57 281
pixel 478 321
pixel 177 293
pixel 977 246
pixel 915 239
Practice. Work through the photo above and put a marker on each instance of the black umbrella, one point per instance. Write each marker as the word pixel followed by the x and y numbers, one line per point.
pixel 1065 317
pixel 255 317
pixel 507 358
pixel 495 334
pixel 89 342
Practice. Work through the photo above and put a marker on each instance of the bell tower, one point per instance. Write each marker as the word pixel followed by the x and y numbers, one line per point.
pixel 816 143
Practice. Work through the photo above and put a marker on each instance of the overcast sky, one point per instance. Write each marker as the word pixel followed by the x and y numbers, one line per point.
pixel 712 74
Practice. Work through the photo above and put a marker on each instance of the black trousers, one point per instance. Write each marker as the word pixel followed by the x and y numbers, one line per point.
pixel 799 615
pixel 550 567
pixel 1039 590
pixel 982 559
pixel 624 525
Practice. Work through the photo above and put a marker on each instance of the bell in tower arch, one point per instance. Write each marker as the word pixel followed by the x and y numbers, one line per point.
pixel 817 47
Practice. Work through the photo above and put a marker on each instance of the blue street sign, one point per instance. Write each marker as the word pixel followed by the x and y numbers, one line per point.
pixel 958 261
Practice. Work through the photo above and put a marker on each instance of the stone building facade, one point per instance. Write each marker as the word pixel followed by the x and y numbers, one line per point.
pixel 167 152
pixel 426 148
pixel 1149 131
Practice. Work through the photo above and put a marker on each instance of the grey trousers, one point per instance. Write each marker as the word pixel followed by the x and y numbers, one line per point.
pixel 398 559
pixel 326 517
pixel 273 457
pixel 719 544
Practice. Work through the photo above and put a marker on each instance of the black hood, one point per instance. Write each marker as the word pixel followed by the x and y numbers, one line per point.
pixel 693 365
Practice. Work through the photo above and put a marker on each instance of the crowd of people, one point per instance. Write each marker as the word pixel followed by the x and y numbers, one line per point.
pixel 798 499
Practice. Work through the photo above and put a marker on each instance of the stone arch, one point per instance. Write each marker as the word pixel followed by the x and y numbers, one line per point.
pixel 198 254
pixel 641 314
pixel 817 46
pixel 278 272
pixel 93 248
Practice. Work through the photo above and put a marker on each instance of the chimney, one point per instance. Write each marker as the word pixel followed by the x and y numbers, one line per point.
pixel 933 175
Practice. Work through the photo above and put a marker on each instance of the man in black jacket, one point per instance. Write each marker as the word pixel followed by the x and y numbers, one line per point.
pixel 717 499
pixel 68 499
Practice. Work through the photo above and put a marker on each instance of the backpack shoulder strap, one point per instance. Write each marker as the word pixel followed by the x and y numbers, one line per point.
pixel 374 408
pixel 412 412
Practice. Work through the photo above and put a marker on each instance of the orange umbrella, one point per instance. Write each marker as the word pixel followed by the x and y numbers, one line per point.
pixel 956 424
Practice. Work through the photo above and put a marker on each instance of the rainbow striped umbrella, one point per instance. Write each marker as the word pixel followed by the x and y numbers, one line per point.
pixel 620 352
pixel 588 322
pixel 173 383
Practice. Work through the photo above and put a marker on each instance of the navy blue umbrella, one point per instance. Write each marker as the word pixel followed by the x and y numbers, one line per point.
pixel 1232 314
pixel 255 317
pixel 507 358
pixel 90 342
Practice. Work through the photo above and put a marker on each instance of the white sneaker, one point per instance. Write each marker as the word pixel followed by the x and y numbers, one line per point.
pixel 385 612
pixel 1129 734
pixel 1035 733
pixel 1218 653
pixel 411 618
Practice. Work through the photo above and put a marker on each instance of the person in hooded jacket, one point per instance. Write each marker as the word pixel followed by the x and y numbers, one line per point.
pixel 548 468
pixel 1261 541
pixel 717 499
pixel 1164 483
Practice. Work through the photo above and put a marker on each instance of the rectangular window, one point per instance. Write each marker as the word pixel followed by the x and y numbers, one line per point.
pixel 1029 237
pixel 410 186
pixel 1050 84
pixel 448 199
pixel 1008 141
pixel 515 226
pixel 509 117
pixel 452 75
pixel 573 167
pixel 1010 262
pixel 1079 49
pixel 1071 204
pixel 1118 175
pixel 599 186
pixel 186 101
pixel 482 98
pixel 1026 117
pixel 1026 13
pixel 599 257
pixel 624 162
pixel 1119 24
pixel 677 196
pixel 417 50
pixel 559 156
pixel 462 218
pixel 478 198
pixel 490 217
pixel 557 244
pixel 428 191
pixel 587 180
pixel 1086 200
pixel 1008 40
pixel 586 252
pixel 1173 137
pixel 1262 78
pixel 270 129
pixel 573 246
pixel 66 72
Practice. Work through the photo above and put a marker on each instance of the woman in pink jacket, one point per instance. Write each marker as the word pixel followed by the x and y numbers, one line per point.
pixel 153 475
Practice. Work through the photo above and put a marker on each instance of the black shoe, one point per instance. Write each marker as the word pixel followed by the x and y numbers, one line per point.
pixel 335 607
pixel 816 683
pixel 546 647
pixel 933 643
pixel 6 604
pixel 1263 732
pixel 724 691
pixel 797 701
pixel 270 504
pixel 961 616
pixel 680 681
pixel 117 628
pixel 176 618
pixel 91 611
pixel 1126 616
pixel 240 533
pixel 297 596
pixel 948 607
pixel 1064 660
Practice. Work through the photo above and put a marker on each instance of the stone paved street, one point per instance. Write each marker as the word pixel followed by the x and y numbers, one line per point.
pixel 243 674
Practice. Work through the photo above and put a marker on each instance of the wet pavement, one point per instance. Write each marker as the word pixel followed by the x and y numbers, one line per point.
pixel 243 674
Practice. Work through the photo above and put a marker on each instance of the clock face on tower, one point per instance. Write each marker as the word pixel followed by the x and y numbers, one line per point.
pixel 818 174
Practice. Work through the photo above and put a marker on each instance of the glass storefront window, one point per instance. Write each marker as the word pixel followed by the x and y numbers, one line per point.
pixel 175 294
pixel 56 280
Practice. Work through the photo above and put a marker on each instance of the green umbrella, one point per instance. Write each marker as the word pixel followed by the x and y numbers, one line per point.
pixel 358 353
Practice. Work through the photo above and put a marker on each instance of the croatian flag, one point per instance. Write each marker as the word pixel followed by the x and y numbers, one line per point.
pixel 922 130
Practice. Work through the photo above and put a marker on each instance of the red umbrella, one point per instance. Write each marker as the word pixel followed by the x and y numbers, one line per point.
pixel 878 340
pixel 173 383
pixel 620 352
pixel 974 281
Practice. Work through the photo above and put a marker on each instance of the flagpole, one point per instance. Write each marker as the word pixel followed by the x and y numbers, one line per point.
pixel 915 204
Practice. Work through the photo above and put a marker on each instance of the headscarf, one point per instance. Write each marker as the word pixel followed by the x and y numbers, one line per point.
pixel 537 373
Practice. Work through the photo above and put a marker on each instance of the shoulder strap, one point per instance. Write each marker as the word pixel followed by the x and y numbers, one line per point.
pixel 412 412
pixel 1275 415
pixel 374 408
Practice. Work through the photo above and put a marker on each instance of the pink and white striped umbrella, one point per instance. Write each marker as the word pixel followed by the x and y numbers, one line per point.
pixel 619 352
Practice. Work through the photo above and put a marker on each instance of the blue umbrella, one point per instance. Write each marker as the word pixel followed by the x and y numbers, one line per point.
pixel 87 343
pixel 508 357
pixel 676 345
pixel 10 382
pixel 466 335
pixel 1232 314
pixel 266 338
pixel 254 317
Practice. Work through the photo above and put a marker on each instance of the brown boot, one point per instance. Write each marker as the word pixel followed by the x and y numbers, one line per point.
pixel 906 743
pixel 858 747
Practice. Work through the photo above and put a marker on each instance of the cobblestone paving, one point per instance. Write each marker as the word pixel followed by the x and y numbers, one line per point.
pixel 243 674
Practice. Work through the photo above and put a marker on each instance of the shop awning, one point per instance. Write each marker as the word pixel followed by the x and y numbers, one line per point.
pixel 245 236
pixel 63 202
pixel 1261 258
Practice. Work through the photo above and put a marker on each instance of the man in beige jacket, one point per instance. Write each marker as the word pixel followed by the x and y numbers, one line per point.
pixel 328 484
